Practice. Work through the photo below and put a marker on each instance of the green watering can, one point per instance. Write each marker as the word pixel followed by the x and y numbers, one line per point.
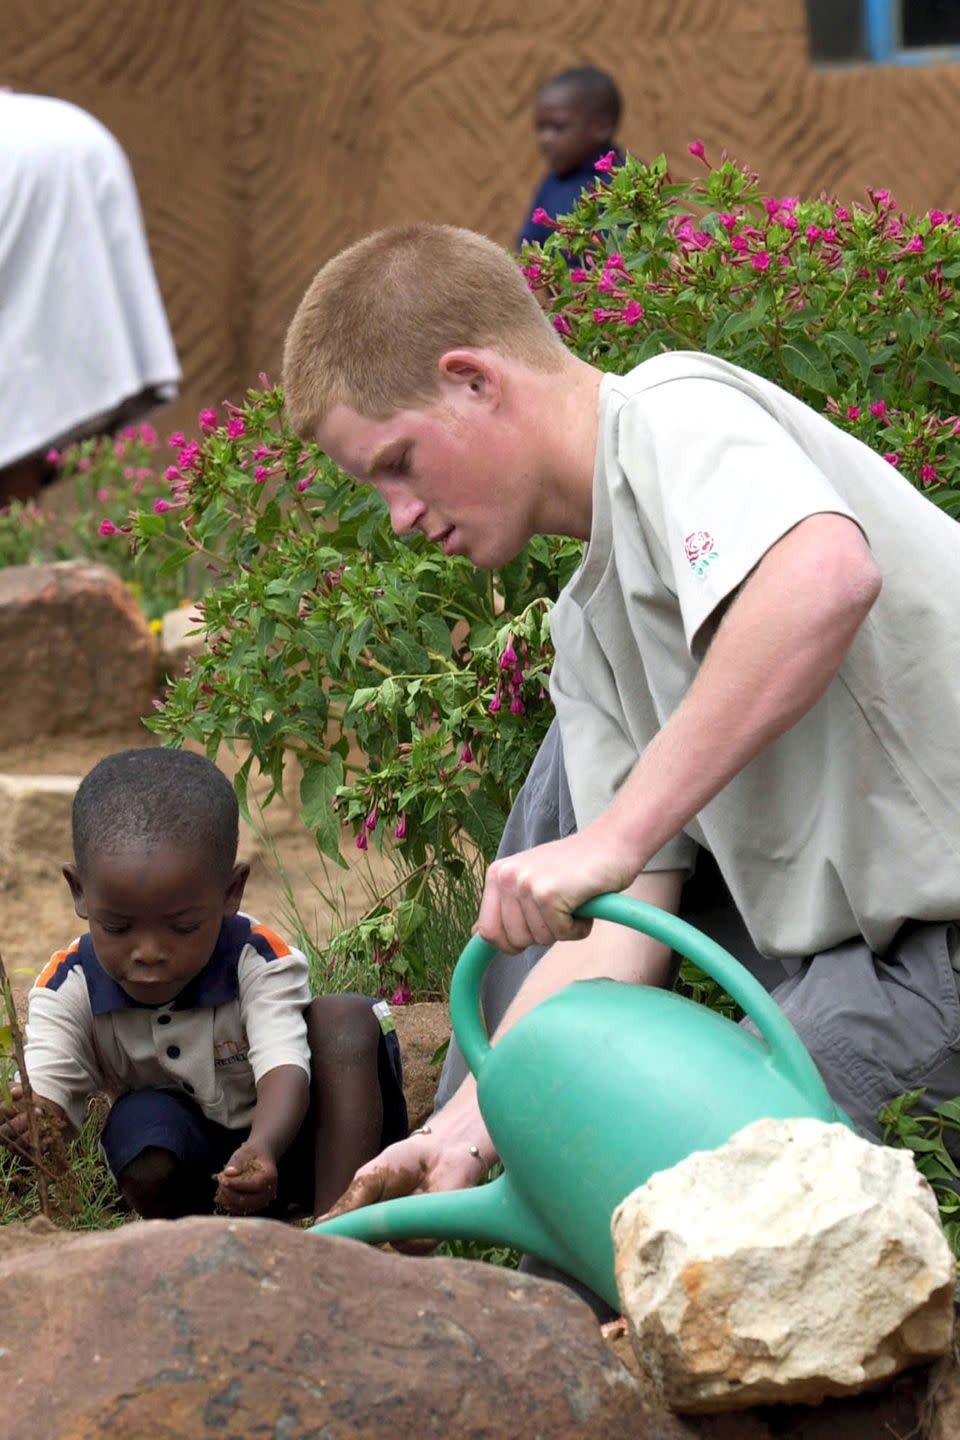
pixel 595 1089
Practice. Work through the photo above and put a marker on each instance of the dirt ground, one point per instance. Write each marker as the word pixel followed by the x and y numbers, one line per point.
pixel 37 916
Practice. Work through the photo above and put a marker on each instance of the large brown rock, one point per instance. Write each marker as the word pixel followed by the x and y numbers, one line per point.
pixel 76 652
pixel 217 1329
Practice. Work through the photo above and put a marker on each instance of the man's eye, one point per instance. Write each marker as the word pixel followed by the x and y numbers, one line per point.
pixel 114 929
pixel 400 465
pixel 184 929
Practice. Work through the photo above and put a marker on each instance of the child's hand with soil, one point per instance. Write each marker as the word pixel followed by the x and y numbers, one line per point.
pixel 248 1181
pixel 15 1120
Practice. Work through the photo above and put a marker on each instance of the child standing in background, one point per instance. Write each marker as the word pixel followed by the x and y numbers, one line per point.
pixel 576 114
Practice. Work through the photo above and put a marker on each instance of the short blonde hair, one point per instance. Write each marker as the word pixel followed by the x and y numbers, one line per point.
pixel 377 317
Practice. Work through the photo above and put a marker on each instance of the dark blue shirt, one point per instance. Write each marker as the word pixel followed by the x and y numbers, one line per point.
pixel 557 194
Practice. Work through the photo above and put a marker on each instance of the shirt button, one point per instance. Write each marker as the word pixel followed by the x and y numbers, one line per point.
pixel 163 1019
pixel 173 1051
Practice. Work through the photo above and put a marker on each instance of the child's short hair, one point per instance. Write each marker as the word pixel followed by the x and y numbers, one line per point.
pixel 377 317
pixel 596 88
pixel 151 797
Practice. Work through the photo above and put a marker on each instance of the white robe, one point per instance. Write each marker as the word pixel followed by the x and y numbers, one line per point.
pixel 82 325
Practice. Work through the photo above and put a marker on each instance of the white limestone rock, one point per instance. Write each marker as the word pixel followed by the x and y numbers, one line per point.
pixel 181 637
pixel 794 1262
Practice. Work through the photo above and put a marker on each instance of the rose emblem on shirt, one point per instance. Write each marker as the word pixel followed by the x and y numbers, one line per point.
pixel 700 551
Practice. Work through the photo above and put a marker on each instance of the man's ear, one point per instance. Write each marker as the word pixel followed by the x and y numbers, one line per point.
pixel 72 877
pixel 471 375
pixel 234 891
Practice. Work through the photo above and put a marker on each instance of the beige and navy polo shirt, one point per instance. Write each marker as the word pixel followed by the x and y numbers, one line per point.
pixel 242 1016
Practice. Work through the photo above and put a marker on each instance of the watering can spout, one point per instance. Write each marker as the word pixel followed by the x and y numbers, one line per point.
pixel 492 1214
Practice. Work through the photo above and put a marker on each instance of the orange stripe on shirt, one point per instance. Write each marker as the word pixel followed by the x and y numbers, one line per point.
pixel 278 946
pixel 57 958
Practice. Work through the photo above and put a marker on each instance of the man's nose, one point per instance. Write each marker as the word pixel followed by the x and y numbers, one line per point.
pixel 405 509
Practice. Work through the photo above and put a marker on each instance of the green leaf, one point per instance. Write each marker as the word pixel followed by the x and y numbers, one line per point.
pixel 843 343
pixel 938 372
pixel 175 560
pixel 803 360
pixel 318 789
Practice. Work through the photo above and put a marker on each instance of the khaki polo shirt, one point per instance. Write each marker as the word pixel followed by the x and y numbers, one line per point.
pixel 242 1016
pixel 849 823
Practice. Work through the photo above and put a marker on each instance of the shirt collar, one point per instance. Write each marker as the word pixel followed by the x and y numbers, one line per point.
pixel 216 984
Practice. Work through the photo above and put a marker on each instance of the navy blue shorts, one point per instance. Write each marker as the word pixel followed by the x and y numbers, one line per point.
pixel 169 1120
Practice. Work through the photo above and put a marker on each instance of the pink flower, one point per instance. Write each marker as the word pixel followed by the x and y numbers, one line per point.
pixel 561 324
pixel 771 204
pixel 760 261
pixel 789 202
pixel 853 412
pixel 927 474
pixel 264 379
pixel 915 243
pixel 187 455
pixel 606 162
pixel 614 261
pixel 159 505
pixel 103 494
pixel 235 427
pixel 790 222
pixel 207 420
pixel 813 232
pixel 107 527
pixel 696 147
pixel 728 221
pixel 494 704
pixel 516 706
pixel 578 275
pixel 260 473
pixel 532 272
pixel 52 456
pixel 401 831
pixel 891 457
pixel 878 408
pixel 371 820
pixel 402 995
pixel 631 312
pixel 304 483
pixel 540 216
pixel 147 434
pixel 600 315
pixel 840 213
pixel 171 473
pixel 739 242
pixel 936 217
pixel 466 754
pixel 830 234
pixel 177 439
pixel 362 839
pixel 606 285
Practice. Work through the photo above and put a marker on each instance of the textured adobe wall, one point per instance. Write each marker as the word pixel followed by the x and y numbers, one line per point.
pixel 265 133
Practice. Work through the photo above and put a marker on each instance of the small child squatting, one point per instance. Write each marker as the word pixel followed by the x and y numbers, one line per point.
pixel 230 1086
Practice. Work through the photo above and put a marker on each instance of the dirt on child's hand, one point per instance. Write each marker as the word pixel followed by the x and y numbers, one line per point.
pixel 247 1183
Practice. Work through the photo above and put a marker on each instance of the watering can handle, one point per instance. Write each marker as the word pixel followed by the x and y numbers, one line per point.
pixel 786 1047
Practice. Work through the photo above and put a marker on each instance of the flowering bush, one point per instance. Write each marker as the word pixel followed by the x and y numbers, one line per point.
pixel 410 689
pixel 852 308
pixel 110 475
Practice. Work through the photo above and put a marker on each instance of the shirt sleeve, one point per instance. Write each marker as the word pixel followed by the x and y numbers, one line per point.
pixel 719 481
pixel 273 996
pixel 59 1050
pixel 598 751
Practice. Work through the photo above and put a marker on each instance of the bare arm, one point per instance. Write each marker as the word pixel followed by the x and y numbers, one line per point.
pixel 776 650
pixel 248 1181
